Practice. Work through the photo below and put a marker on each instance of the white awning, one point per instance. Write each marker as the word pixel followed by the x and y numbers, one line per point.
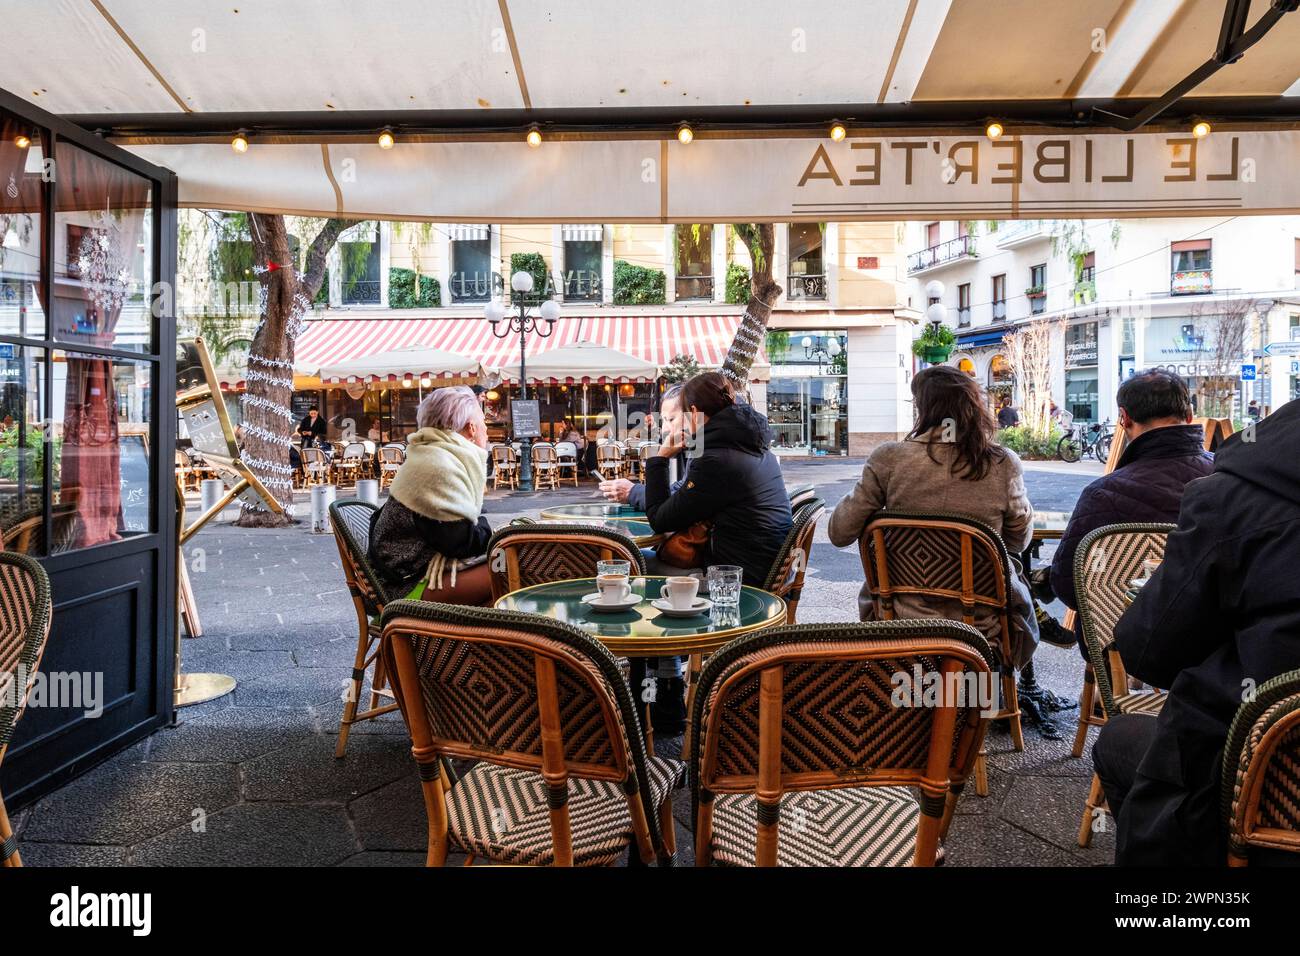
pixel 419 362
pixel 462 232
pixel 577 233
pixel 584 362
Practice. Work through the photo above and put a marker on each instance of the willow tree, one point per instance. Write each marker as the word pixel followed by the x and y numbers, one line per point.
pixel 286 294
pixel 760 239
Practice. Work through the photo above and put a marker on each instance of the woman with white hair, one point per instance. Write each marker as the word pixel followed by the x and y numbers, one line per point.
pixel 432 528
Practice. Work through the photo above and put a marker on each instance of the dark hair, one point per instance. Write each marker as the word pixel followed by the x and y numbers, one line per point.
pixel 1155 393
pixel 710 392
pixel 947 398
pixel 314 408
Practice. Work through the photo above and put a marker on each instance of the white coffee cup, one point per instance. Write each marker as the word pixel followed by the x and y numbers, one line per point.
pixel 613 588
pixel 680 592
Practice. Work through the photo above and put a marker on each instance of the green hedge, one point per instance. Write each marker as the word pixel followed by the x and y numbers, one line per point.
pixel 637 285
pixel 534 263
pixel 402 295
pixel 738 285
pixel 1023 443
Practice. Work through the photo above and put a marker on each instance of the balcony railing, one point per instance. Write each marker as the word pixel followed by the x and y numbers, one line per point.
pixel 806 286
pixel 361 292
pixel 963 247
pixel 1192 282
pixel 694 287
pixel 963 317
pixel 1000 310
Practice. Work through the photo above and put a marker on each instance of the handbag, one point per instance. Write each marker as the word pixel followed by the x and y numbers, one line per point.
pixel 686 549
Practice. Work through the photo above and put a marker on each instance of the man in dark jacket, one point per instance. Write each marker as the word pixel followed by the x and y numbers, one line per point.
pixel 1219 617
pixel 734 481
pixel 1164 453
pixel 312 428
pixel 1008 417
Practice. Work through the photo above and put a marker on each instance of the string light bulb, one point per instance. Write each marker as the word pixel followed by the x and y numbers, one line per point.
pixel 21 141
pixel 993 129
pixel 685 135
pixel 240 143
pixel 1201 129
pixel 534 136
pixel 386 140
pixel 838 132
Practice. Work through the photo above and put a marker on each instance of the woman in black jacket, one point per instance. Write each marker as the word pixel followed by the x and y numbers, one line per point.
pixel 734 482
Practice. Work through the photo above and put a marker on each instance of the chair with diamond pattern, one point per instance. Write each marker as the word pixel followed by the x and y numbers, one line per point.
pixel 523 555
pixel 1261 771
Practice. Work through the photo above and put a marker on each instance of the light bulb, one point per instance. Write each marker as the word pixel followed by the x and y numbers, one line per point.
pixel 522 281
pixel 1201 129
pixel 838 132
pixel 993 130
pixel 685 134
pixel 240 143
pixel 534 137
pixel 386 140
pixel 21 141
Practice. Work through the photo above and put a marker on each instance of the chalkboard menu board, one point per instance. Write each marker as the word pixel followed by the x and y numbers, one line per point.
pixel 134 472
pixel 525 418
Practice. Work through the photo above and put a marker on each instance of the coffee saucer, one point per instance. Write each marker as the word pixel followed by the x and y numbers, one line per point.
pixel 700 606
pixel 594 602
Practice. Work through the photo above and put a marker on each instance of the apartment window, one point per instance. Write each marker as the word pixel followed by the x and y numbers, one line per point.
pixel 962 231
pixel 471 263
pixel 963 304
pixel 807 279
pixel 1089 271
pixel 695 261
pixel 359 262
pixel 582 262
pixel 1000 297
pixel 1037 291
pixel 1189 267
pixel 932 235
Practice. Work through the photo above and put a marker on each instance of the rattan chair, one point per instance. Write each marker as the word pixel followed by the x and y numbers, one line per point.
pixel 315 467
pixel 505 466
pixel 801 496
pixel 391 458
pixel 25 616
pixel 609 459
pixel 1261 771
pixel 786 577
pixel 1105 564
pixel 563 775
pixel 810 736
pixel 351 519
pixel 350 465
pixel 523 555
pixel 954 561
pixel 566 460
pixel 546 466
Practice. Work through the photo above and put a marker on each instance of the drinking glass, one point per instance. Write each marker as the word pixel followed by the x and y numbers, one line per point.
pixel 724 584
pixel 613 567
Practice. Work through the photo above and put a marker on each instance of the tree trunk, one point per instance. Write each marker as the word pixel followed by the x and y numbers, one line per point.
pixel 760 237
pixel 267 421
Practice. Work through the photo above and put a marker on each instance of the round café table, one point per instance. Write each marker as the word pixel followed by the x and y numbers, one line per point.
pixel 609 515
pixel 644 631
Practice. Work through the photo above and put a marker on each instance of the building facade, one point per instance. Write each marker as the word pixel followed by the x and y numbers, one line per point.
pixel 839 360
pixel 1203 297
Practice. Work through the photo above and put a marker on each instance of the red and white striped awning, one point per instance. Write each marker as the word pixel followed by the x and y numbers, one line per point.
pixel 657 339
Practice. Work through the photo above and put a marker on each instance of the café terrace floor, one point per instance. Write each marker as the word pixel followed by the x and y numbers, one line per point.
pixel 256 768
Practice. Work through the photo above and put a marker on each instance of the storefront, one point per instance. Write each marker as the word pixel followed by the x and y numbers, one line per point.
pixel 1081 376
pixel 88 366
pixel 807 397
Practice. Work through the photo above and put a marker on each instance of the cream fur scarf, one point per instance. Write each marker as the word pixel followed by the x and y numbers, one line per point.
pixel 443 477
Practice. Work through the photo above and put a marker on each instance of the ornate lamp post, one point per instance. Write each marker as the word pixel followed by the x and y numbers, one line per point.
pixel 825 354
pixel 521 285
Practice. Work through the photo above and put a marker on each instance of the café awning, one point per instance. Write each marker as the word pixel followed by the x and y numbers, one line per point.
pixel 913 81
pixel 420 362
pixel 583 362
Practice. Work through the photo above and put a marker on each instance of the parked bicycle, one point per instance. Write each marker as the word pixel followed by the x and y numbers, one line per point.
pixel 1080 441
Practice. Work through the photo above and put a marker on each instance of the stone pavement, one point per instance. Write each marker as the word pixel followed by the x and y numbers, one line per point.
pixel 251 779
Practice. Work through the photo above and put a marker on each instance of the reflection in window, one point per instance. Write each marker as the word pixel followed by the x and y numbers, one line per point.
pixel 807 279
pixel 471 263
pixel 21 164
pixel 582 262
pixel 695 261
pixel 359 256
pixel 22 449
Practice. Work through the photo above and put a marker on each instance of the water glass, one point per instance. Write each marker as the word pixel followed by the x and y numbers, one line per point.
pixel 724 584
pixel 623 568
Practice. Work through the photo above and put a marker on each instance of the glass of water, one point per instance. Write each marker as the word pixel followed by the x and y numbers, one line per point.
pixel 724 584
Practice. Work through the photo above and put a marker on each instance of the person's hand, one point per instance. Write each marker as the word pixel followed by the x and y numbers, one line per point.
pixel 672 443
pixel 616 490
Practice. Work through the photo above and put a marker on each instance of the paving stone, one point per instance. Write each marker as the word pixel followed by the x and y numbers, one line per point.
pixel 292 688
pixel 70 854
pixel 1051 808
pixel 255 835
pixel 123 803
pixel 231 735
pixel 992 842
pixel 307 772
pixel 392 817
pixel 371 858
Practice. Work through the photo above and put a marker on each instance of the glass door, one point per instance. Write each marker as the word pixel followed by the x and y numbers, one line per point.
pixel 787 413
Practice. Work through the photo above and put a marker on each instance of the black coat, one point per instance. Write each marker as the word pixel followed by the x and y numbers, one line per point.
pixel 1147 485
pixel 1220 615
pixel 734 482
pixel 316 428
pixel 403 542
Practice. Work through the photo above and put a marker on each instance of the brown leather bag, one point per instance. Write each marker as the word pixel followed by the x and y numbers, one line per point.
pixel 686 549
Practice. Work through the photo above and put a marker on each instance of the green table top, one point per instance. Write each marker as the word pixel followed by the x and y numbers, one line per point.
pixel 644 631
pixel 1050 524
pixel 609 515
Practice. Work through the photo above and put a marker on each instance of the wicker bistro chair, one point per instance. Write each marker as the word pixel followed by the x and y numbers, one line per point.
pixel 949 558
pixel 25 616
pixel 786 577
pixel 1105 564
pixel 610 461
pixel 566 461
pixel 1261 771
pixel 505 466
pixel 546 466
pixel 351 519
pixel 351 465
pixel 806 750
pixel 535 553
pixel 391 458
pixel 564 777
pixel 315 466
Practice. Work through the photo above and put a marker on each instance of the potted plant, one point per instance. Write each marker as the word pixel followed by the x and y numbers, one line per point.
pixel 1085 292
pixel 1035 292
pixel 935 344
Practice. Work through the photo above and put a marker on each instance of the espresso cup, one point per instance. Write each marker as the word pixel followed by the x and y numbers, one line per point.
pixel 680 592
pixel 613 588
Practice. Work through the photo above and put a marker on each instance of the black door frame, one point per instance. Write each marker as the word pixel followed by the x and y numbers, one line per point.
pixel 145 564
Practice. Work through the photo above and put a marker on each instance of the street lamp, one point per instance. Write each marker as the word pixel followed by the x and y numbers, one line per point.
pixel 825 354
pixel 521 285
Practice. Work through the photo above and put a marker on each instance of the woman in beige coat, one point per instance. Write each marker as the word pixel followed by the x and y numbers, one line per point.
pixel 948 464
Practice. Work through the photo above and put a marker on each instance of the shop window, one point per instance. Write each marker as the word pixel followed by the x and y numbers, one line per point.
pixel 694 261
pixel 583 249
pixel 999 297
pixel 1190 267
pixel 359 257
pixel 471 263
